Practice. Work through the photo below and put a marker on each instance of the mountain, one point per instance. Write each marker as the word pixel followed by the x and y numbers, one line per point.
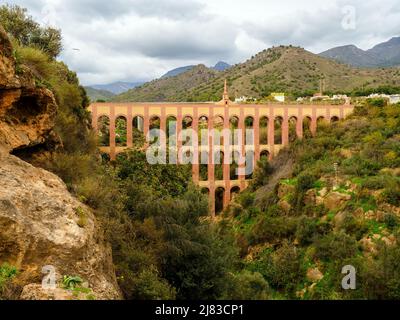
pixel 385 54
pixel 352 55
pixel 117 87
pixel 177 71
pixel 280 69
pixel 95 94
pixel 388 52
pixel 167 89
pixel 220 66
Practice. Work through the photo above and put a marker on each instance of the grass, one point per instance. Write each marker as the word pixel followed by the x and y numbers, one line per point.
pixel 289 182
pixel 7 272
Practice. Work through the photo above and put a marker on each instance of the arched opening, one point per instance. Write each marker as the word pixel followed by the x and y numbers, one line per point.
pixel 234 192
pixel 233 125
pixel 307 127
pixel 103 132
pixel 292 129
pixel 249 126
pixel 264 155
pixel 138 123
pixel 321 122
pixel 278 130
pixel 218 124
pixel 187 122
pixel 205 191
pixel 153 125
pixel 233 174
pixel 219 200
pixel 203 170
pixel 334 119
pixel 203 125
pixel 219 165
pixel 121 132
pixel 264 121
pixel 249 165
pixel 138 138
pixel 171 128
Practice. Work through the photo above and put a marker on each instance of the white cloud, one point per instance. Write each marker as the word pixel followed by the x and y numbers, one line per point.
pixel 133 40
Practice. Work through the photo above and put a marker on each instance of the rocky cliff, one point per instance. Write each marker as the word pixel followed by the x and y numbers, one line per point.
pixel 41 223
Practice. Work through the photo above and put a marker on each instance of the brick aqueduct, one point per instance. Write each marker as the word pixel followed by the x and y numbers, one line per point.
pixel 222 112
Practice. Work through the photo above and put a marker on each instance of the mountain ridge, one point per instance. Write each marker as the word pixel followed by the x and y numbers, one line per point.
pixel 385 54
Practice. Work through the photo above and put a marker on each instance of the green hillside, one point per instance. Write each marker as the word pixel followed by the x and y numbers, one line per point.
pixel 96 95
pixel 288 69
pixel 305 218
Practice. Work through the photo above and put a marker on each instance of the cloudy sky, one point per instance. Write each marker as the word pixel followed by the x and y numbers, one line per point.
pixel 136 40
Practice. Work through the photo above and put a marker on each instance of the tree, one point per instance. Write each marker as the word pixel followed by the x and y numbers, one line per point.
pixel 21 27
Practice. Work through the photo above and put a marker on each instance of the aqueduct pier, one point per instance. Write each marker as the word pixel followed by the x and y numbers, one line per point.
pixel 291 120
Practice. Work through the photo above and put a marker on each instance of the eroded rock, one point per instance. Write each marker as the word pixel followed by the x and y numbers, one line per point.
pixel 40 224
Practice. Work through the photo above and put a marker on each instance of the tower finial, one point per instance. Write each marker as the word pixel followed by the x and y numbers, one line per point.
pixel 225 95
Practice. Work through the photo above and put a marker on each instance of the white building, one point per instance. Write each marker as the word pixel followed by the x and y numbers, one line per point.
pixel 393 98
pixel 278 96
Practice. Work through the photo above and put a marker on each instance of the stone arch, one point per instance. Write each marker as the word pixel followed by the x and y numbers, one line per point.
pixel 307 127
pixel 264 123
pixel 234 166
pixel 334 119
pixel 138 123
pixel 234 192
pixel 203 125
pixel 171 124
pixel 219 165
pixel 121 128
pixel 154 123
pixel 203 166
pixel 233 125
pixel 187 122
pixel 249 124
pixel 250 164
pixel 103 131
pixel 205 190
pixel 218 125
pixel 292 128
pixel 278 123
pixel 264 155
pixel 219 199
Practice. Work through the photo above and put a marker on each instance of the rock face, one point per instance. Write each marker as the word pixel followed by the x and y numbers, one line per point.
pixel 41 223
pixel 27 113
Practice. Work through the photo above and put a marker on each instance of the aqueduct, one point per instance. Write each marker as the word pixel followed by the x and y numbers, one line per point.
pixel 274 125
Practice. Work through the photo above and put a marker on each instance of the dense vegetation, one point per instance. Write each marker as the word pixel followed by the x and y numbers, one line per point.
pixel 317 221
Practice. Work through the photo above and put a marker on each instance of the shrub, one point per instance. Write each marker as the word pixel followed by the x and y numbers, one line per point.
pixel 272 229
pixel 392 196
pixel 149 286
pixel 306 230
pixel 7 272
pixel 335 246
pixel 248 286
pixel 37 62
